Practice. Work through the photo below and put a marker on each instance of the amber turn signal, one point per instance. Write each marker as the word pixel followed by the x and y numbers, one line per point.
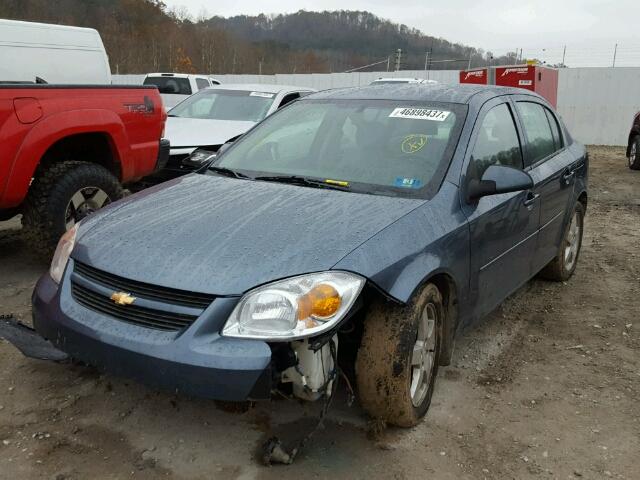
pixel 322 301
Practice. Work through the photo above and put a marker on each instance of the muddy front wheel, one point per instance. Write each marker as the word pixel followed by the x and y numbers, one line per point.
pixel 398 358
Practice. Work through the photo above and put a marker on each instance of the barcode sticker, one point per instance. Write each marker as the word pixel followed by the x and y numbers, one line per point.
pixel 420 113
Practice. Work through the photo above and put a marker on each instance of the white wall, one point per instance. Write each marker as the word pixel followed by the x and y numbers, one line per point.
pixel 319 81
pixel 597 104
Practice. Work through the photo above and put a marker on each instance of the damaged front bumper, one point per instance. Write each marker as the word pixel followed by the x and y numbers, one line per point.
pixel 196 361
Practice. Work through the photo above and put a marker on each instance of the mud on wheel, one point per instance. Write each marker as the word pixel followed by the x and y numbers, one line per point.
pixel 61 196
pixel 398 358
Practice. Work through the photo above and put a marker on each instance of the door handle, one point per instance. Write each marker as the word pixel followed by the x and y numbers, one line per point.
pixel 568 175
pixel 530 199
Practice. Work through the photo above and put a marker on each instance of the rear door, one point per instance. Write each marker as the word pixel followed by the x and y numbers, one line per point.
pixel 502 227
pixel 552 168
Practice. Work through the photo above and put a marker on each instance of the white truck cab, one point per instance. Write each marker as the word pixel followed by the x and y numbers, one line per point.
pixel 175 87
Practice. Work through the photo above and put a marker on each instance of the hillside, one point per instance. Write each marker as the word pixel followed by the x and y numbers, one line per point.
pixel 143 35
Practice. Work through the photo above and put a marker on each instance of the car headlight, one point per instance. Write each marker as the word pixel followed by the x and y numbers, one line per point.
pixel 199 158
pixel 294 308
pixel 61 255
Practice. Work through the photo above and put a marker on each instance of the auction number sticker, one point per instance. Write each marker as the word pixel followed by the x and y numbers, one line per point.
pixel 261 94
pixel 420 113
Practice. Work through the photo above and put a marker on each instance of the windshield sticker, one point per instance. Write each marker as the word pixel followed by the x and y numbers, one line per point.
pixel 408 182
pixel 261 94
pixel 413 143
pixel 420 113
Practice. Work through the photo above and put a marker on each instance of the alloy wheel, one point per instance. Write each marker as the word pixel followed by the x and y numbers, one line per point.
pixel 84 202
pixel 423 355
pixel 572 242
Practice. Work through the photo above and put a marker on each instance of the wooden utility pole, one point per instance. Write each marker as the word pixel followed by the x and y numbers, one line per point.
pixel 615 52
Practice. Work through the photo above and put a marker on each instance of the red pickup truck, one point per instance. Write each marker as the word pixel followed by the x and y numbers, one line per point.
pixel 66 151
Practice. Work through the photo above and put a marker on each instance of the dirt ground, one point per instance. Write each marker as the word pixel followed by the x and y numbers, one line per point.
pixel 547 387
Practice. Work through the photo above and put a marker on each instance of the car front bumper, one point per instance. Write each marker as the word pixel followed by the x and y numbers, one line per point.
pixel 196 361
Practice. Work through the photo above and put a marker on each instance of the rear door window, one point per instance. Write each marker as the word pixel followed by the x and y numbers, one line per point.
pixel 555 129
pixel 540 138
pixel 497 142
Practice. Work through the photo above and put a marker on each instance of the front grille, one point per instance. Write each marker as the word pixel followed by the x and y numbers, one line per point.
pixel 141 316
pixel 144 290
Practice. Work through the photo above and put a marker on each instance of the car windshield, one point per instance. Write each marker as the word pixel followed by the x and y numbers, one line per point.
pixel 372 146
pixel 219 104
pixel 170 85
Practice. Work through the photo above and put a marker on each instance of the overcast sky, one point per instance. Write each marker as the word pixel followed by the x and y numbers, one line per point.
pixel 589 28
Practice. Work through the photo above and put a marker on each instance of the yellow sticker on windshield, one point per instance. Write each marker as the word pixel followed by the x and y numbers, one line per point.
pixel 340 183
pixel 413 143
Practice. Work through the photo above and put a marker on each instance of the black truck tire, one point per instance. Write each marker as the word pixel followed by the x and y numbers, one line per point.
pixel 396 373
pixel 634 153
pixel 61 195
pixel 564 263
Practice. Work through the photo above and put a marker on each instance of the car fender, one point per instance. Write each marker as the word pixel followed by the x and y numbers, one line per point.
pixel 54 128
pixel 432 239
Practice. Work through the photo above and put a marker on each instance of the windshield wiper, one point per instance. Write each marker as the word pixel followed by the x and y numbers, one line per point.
pixel 308 182
pixel 227 172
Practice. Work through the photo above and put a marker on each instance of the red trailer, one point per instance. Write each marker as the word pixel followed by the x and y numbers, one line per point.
pixel 542 80
pixel 477 76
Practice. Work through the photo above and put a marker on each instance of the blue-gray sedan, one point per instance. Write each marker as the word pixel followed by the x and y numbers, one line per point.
pixel 358 229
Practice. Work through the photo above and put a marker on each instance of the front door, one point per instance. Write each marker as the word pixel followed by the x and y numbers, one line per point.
pixel 502 227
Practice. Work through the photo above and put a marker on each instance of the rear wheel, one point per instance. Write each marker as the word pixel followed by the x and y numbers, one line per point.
pixel 634 154
pixel 62 196
pixel 564 264
pixel 398 358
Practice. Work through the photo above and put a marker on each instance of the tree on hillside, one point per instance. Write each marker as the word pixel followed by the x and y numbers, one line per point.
pixel 144 35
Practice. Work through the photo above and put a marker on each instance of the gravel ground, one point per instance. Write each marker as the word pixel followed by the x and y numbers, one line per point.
pixel 546 387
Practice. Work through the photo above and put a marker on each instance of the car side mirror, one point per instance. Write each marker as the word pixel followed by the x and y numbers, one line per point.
pixel 498 179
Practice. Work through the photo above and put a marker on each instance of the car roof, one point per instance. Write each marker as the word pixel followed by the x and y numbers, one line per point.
pixel 175 75
pixel 261 87
pixel 448 93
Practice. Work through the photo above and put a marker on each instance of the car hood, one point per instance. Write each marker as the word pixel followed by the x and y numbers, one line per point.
pixel 194 132
pixel 224 236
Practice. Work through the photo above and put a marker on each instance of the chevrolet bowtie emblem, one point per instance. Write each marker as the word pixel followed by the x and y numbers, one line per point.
pixel 122 298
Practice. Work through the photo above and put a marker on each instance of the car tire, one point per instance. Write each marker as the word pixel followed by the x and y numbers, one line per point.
pixel 634 153
pixel 395 373
pixel 64 193
pixel 564 264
